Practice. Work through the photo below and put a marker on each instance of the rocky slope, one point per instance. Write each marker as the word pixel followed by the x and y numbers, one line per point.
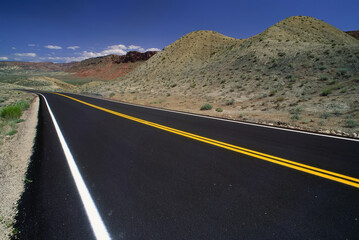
pixel 301 71
pixel 111 66
pixel 353 34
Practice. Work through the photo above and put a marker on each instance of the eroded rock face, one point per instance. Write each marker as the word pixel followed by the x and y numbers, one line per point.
pixel 134 56
pixel 354 34
pixel 111 66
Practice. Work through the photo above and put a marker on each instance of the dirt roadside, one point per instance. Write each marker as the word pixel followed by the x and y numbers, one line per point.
pixel 15 153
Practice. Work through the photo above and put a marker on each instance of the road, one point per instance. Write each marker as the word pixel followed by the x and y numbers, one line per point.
pixel 154 174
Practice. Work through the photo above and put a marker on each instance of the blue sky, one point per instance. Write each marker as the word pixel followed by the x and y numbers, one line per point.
pixel 63 30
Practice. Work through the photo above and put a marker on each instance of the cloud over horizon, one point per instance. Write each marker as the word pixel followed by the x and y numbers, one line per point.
pixel 25 54
pixel 153 49
pixel 53 47
pixel 4 58
pixel 118 49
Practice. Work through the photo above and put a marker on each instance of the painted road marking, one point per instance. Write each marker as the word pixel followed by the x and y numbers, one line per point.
pixel 229 120
pixel 93 215
pixel 280 161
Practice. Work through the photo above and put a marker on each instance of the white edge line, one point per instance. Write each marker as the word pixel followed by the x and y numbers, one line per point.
pixel 93 215
pixel 225 120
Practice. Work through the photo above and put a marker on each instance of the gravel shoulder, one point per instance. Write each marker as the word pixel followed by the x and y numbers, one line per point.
pixel 15 153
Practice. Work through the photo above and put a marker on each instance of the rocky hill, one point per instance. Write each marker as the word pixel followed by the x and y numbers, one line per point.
pixel 354 34
pixel 301 71
pixel 111 66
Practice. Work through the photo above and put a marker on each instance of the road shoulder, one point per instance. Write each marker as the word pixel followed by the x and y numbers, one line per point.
pixel 15 158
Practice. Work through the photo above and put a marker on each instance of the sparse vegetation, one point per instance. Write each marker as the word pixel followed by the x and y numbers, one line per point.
pixel 219 110
pixel 11 112
pixel 350 123
pixel 206 106
pixel 230 102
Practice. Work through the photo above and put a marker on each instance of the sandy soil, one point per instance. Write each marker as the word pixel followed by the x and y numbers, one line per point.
pixel 15 153
pixel 245 111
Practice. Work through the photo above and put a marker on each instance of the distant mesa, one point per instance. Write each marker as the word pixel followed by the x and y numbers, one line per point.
pixel 111 66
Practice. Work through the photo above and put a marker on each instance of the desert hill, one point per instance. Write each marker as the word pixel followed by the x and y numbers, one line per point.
pixel 111 66
pixel 300 71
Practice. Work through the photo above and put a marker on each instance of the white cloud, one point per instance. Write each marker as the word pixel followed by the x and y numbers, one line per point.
pixel 119 46
pixel 13 48
pixel 53 47
pixel 133 47
pixel 119 49
pixel 31 45
pixel 153 49
pixel 73 47
pixel 25 54
pixel 4 58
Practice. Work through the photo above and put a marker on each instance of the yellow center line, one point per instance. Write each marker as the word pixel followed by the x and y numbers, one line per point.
pixel 280 161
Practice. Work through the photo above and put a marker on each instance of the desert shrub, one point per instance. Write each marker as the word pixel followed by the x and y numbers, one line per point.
pixel 295 117
pixel 219 109
pixel 230 102
pixel 342 71
pixel 350 123
pixel 325 115
pixel 206 106
pixel 323 67
pixel 326 92
pixel 323 78
pixel 272 93
pixel 11 112
pixel 297 110
pixel 23 104
pixel 279 99
pixel 12 132
pixel 112 94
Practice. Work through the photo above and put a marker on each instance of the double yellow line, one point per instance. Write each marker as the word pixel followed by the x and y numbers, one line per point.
pixel 281 161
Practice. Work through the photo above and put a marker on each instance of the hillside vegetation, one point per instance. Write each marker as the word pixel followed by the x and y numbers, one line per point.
pixel 301 71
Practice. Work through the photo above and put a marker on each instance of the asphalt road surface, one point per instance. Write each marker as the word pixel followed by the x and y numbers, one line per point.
pixel 132 172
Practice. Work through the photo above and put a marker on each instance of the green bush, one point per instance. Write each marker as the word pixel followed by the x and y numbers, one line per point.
pixel 342 71
pixel 206 106
pixel 350 123
pixel 295 117
pixel 11 112
pixel 12 132
pixel 326 92
pixel 323 78
pixel 23 104
pixel 219 109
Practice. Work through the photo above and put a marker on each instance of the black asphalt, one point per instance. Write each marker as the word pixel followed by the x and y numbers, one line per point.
pixel 152 184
